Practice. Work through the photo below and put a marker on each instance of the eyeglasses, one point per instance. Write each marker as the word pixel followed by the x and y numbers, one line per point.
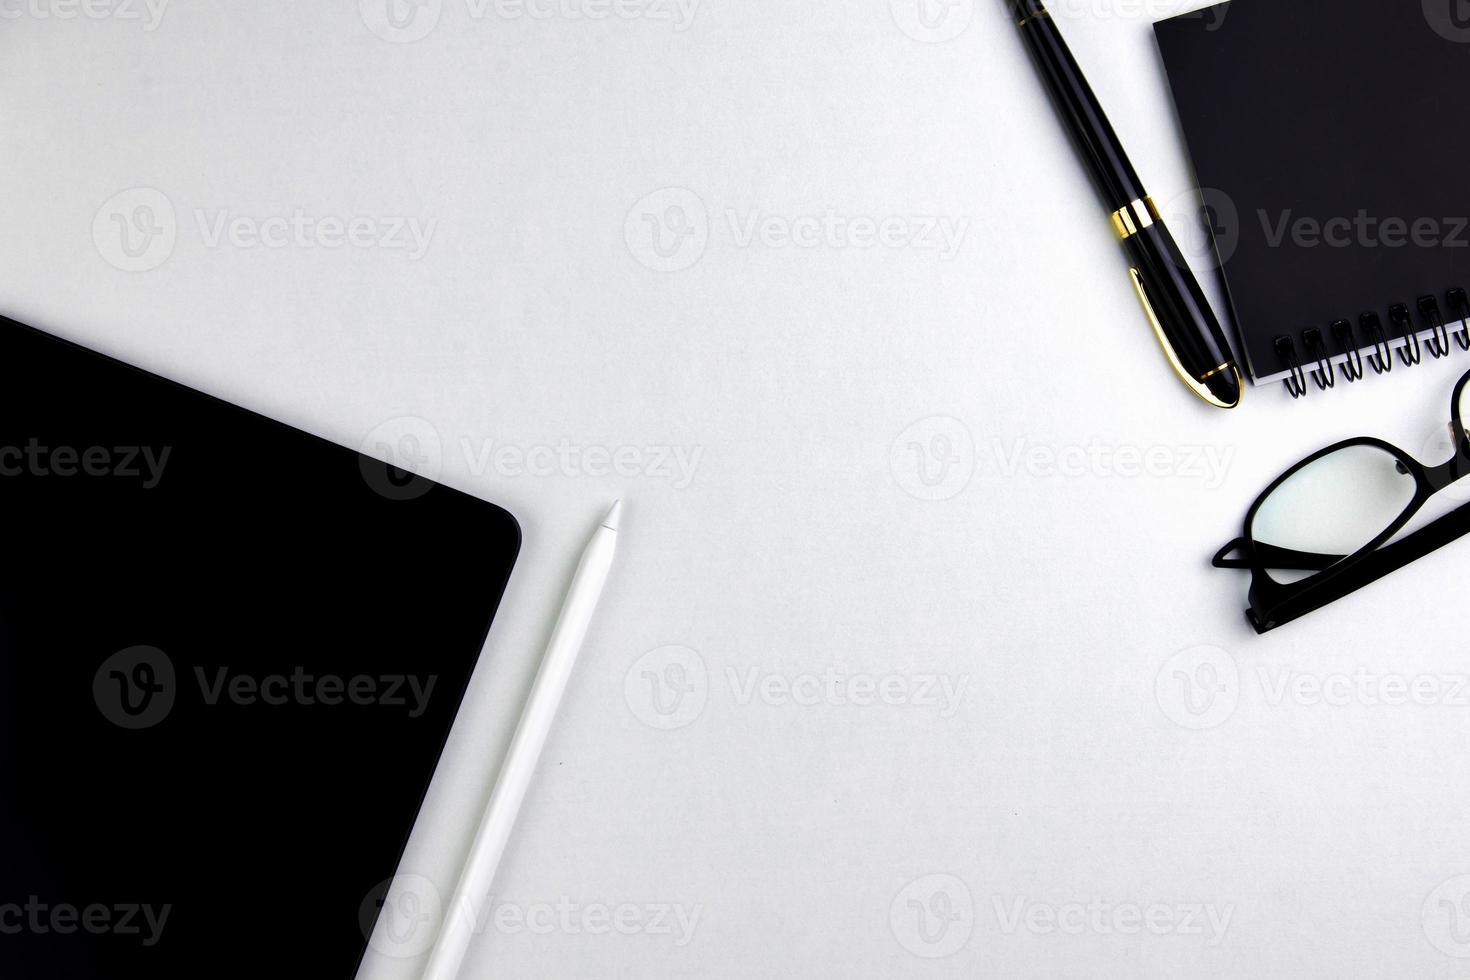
pixel 1319 532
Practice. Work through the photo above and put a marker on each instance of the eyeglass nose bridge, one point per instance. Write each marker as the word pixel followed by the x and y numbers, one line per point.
pixel 1456 468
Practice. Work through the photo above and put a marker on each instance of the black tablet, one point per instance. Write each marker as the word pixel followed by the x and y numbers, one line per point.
pixel 230 654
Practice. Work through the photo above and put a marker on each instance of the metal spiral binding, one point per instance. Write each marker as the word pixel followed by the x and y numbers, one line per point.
pixel 1440 322
pixel 1398 317
pixel 1460 308
pixel 1352 365
pixel 1322 373
pixel 1381 360
pixel 1297 382
pixel 1439 341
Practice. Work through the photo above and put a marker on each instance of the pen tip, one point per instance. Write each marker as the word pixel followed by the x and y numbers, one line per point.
pixel 1225 387
pixel 611 520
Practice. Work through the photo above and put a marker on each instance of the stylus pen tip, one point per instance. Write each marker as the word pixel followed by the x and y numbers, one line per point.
pixel 611 520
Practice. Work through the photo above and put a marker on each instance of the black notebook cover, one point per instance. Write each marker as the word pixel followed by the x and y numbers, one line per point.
pixel 1330 142
pixel 230 654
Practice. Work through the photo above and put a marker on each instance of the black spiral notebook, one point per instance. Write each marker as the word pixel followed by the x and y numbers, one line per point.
pixel 1330 143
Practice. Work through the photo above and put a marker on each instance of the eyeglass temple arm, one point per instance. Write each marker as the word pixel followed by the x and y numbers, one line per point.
pixel 1272 556
pixel 1370 568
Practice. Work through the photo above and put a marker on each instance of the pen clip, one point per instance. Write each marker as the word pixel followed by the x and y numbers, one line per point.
pixel 1194 384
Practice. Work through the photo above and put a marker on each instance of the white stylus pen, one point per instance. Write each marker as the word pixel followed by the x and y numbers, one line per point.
pixel 461 915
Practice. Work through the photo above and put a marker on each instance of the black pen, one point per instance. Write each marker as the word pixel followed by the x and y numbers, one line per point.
pixel 1171 297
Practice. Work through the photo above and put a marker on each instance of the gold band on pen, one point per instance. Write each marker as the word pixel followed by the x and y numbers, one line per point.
pixel 1139 214
pixel 1214 371
pixel 1043 12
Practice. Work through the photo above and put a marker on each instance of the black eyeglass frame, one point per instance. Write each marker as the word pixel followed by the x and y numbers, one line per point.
pixel 1274 603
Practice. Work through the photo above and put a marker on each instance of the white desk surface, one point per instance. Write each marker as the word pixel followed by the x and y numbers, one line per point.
pixel 949 477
